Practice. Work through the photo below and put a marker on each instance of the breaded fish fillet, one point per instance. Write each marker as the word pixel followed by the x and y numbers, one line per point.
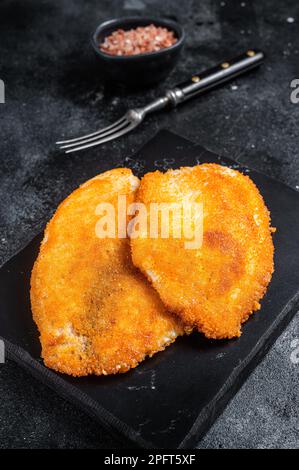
pixel 96 313
pixel 217 286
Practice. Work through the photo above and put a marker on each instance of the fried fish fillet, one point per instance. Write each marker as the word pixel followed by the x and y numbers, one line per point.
pixel 96 313
pixel 217 286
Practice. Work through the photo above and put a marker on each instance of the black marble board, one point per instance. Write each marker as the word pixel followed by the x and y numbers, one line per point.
pixel 171 400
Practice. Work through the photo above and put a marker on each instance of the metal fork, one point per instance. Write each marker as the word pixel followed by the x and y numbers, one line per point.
pixel 197 85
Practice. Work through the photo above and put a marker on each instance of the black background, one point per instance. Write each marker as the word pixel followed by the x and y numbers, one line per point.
pixel 53 88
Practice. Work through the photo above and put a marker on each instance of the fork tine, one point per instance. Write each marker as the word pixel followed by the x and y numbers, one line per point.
pixel 105 139
pixel 96 137
pixel 93 134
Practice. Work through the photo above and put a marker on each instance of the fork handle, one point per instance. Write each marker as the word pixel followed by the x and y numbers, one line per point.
pixel 215 76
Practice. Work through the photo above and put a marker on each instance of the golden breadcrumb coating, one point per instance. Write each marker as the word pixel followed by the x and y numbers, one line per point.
pixel 96 313
pixel 216 287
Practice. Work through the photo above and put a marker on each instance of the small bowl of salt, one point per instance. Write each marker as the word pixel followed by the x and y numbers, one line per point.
pixel 138 51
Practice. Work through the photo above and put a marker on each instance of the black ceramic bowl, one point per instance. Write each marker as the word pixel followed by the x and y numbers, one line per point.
pixel 141 69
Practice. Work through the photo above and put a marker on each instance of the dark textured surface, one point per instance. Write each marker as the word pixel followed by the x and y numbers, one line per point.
pixel 53 88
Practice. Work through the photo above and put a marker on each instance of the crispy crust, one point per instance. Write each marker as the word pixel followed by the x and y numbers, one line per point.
pixel 214 288
pixel 95 311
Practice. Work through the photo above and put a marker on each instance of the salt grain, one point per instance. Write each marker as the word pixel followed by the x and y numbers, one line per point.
pixel 136 41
